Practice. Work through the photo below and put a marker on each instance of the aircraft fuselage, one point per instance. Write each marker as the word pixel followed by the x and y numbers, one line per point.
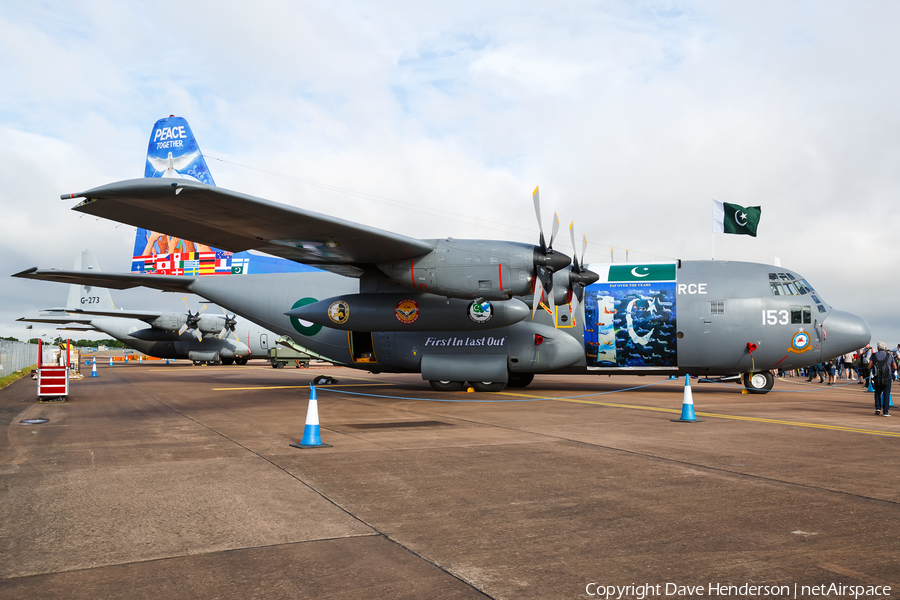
pixel 692 317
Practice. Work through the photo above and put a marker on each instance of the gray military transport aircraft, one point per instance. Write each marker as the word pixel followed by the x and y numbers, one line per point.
pixel 201 338
pixel 489 312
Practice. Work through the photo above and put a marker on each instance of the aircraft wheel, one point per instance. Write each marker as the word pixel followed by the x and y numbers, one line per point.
pixel 447 386
pixel 759 383
pixel 197 363
pixel 520 380
pixel 488 386
pixel 227 361
pixel 240 361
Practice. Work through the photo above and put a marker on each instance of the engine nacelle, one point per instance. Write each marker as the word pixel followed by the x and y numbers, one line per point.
pixel 211 324
pixel 468 269
pixel 169 321
pixel 172 321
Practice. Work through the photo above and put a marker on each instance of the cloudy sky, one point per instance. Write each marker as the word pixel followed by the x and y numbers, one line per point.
pixel 439 120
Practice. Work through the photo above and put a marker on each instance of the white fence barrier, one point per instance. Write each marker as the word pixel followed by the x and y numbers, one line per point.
pixel 15 356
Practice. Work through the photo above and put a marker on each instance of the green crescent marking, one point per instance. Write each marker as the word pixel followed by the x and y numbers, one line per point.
pixel 302 329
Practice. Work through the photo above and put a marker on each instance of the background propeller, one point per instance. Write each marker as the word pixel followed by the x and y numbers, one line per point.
pixel 230 323
pixel 192 320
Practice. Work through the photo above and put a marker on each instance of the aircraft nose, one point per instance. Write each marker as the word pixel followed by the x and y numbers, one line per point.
pixel 845 332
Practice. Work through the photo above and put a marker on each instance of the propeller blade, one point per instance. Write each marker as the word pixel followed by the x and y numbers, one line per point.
pixel 574 249
pixel 538 292
pixel 198 335
pixel 183 329
pixel 202 310
pixel 536 196
pixel 555 229
pixel 184 299
pixel 223 333
pixel 583 252
pixel 550 302
pixel 583 317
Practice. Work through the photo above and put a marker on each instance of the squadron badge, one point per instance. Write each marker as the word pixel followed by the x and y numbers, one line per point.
pixel 407 311
pixel 339 312
pixel 480 312
pixel 800 342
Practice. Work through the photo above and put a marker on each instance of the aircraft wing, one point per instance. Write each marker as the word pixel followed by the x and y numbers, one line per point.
pixel 57 320
pixel 116 281
pixel 121 314
pixel 236 222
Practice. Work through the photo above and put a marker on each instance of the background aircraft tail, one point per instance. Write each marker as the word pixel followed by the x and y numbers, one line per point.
pixel 173 152
pixel 87 296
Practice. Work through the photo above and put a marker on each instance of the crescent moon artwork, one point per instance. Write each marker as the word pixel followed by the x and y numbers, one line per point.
pixel 644 274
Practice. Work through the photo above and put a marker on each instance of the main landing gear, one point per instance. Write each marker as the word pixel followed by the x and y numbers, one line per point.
pixel 516 380
pixel 458 386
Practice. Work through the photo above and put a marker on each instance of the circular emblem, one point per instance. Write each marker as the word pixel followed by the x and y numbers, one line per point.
pixel 480 312
pixel 407 311
pixel 305 327
pixel 800 340
pixel 339 312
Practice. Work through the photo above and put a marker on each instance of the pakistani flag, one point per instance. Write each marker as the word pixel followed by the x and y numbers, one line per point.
pixel 731 218
pixel 632 272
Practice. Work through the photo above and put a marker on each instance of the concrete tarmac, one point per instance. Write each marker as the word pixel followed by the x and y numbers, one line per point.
pixel 174 481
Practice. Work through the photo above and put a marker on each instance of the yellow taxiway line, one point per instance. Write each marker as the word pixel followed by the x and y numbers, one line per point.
pixel 287 387
pixel 741 418
pixel 715 415
pixel 618 405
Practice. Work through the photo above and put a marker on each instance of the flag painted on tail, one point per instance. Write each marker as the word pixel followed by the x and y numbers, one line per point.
pixel 732 218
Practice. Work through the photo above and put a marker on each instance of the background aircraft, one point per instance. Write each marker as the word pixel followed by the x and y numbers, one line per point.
pixel 466 310
pixel 200 336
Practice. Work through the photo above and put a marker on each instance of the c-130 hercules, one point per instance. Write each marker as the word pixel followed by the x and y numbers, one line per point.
pixel 489 312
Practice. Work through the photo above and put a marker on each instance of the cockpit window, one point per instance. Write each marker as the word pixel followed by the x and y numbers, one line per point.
pixel 801 315
pixel 785 284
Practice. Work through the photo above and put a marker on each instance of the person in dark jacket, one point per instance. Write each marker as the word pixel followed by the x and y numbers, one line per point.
pixel 881 365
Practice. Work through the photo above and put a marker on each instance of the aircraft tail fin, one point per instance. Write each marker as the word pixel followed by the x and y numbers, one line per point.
pixel 174 152
pixel 87 296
